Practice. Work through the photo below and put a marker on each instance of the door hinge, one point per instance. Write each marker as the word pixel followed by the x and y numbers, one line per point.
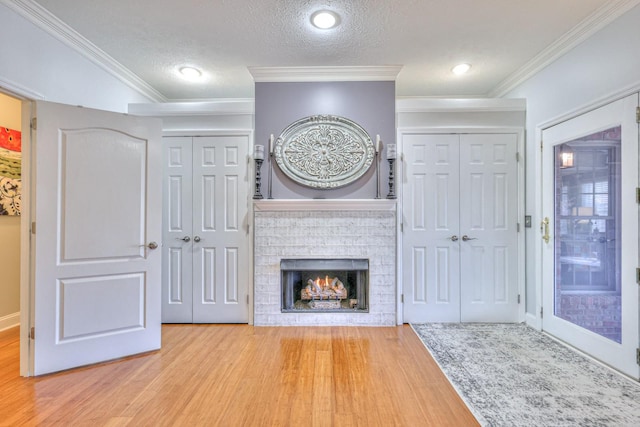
pixel 32 333
pixel 517 227
pixel 518 298
pixel 401 227
pixel 638 356
pixel 247 299
pixel 402 298
pixel 638 275
pixel 540 145
pixel 34 123
pixel 637 114
pixel 517 157
pixel 541 312
pixel 637 194
pixel 33 227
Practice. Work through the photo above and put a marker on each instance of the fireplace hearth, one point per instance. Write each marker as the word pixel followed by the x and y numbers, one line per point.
pixel 321 285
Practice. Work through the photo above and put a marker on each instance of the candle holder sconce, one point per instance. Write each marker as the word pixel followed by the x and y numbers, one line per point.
pixel 258 156
pixel 391 158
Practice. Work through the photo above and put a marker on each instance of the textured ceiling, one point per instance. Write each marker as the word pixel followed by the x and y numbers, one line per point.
pixel 153 38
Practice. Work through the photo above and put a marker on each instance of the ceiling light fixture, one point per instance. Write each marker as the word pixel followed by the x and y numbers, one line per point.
pixel 461 69
pixel 190 73
pixel 324 19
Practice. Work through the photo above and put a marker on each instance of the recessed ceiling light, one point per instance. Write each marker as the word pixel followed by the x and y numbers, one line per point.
pixel 461 69
pixel 190 73
pixel 324 19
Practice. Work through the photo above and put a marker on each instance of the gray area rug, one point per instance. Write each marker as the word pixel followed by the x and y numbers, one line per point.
pixel 512 375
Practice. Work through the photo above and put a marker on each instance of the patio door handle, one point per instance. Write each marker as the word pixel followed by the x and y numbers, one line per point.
pixel 545 226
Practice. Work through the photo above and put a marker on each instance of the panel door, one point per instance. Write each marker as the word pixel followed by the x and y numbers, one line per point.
pixel 431 249
pixel 96 188
pixel 177 226
pixel 220 237
pixel 590 232
pixel 460 237
pixel 206 244
pixel 488 221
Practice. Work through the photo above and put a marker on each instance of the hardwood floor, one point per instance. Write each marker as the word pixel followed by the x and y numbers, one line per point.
pixel 238 375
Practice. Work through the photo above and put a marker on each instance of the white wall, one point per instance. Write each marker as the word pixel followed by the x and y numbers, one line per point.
pixel 43 67
pixel 605 64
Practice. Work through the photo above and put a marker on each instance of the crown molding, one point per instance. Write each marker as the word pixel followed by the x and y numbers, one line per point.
pixel 581 32
pixel 458 105
pixel 325 74
pixel 195 108
pixel 19 91
pixel 46 21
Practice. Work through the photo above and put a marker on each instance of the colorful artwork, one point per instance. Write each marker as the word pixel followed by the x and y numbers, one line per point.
pixel 10 171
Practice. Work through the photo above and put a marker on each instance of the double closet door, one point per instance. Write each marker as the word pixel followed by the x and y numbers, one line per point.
pixel 205 249
pixel 460 227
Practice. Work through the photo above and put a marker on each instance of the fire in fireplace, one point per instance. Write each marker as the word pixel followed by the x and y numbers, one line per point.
pixel 333 285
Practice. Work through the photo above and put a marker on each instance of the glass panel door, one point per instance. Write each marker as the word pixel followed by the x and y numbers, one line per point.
pixel 587 230
pixel 589 236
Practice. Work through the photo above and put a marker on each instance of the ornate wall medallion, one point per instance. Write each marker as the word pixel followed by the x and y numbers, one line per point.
pixel 324 151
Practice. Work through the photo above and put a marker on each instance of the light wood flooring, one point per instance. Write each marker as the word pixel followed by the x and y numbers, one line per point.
pixel 238 375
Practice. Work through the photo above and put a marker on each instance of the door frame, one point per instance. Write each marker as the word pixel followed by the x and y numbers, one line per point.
pixel 519 132
pixel 249 133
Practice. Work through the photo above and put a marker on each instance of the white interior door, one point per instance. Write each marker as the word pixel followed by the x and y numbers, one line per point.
pixel 459 228
pixel 590 253
pixel 431 248
pixel 488 228
pixel 206 279
pixel 96 203
pixel 177 226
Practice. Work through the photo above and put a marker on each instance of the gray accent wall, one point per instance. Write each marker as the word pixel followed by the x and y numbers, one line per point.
pixel 370 104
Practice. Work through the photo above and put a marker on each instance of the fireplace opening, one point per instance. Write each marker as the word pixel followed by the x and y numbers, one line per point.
pixel 325 285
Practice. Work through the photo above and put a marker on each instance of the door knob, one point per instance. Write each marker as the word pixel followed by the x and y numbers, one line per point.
pixel 454 238
pixel 466 238
pixel 196 239
pixel 184 239
pixel 152 245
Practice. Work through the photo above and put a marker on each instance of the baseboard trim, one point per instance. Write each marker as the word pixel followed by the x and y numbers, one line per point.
pixel 9 321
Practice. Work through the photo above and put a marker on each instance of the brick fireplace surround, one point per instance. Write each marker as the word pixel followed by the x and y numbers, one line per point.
pixel 325 229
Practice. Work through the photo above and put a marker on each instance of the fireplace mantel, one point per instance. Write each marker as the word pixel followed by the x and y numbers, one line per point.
pixel 279 205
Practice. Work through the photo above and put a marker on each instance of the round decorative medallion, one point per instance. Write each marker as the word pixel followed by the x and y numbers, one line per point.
pixel 324 151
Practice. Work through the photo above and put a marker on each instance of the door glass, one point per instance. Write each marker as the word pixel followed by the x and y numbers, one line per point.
pixel 587 232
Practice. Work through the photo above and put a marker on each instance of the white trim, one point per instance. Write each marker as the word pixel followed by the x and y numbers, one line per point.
pixel 9 321
pixel 458 105
pixel 275 205
pixel 585 29
pixel 208 132
pixel 49 23
pixel 18 91
pixel 200 108
pixel 533 321
pixel 325 73
pixel 594 105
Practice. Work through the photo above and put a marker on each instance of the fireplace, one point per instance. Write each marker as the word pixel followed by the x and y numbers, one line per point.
pixel 324 285
pixel 352 230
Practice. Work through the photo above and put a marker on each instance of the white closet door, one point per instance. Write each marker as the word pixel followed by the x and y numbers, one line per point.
pixel 431 272
pixel 459 249
pixel 220 238
pixel 177 271
pixel 206 244
pixel 488 219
